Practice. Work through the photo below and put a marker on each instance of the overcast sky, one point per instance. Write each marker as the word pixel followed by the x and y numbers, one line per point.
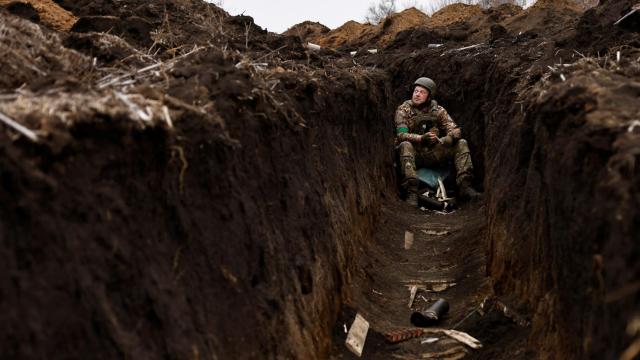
pixel 279 15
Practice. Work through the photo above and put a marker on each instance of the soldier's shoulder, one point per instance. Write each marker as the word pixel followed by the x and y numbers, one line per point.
pixel 405 106
pixel 440 109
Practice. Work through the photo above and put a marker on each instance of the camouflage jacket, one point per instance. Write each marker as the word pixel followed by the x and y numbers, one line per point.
pixel 411 123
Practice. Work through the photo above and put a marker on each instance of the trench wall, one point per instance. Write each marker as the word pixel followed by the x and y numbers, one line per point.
pixel 231 236
pixel 563 211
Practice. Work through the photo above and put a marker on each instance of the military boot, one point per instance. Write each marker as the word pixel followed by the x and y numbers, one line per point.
pixel 466 192
pixel 412 193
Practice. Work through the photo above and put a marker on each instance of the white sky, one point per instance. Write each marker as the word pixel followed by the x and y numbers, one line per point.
pixel 279 15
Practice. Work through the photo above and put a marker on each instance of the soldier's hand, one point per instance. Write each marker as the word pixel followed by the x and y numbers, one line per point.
pixel 429 138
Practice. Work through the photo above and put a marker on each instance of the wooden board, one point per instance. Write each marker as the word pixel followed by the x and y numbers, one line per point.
pixel 357 335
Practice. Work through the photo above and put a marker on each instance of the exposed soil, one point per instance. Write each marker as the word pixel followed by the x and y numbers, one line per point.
pixel 180 183
pixel 356 35
pixel 454 13
pixel 307 31
pixel 48 13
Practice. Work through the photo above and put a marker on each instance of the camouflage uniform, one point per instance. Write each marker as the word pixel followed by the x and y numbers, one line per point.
pixel 411 123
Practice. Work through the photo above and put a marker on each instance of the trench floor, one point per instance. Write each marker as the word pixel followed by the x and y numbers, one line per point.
pixel 446 260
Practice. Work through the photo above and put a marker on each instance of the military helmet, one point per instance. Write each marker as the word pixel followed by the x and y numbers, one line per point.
pixel 428 84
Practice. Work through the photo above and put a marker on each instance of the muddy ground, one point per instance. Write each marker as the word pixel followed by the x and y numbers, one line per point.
pixel 186 184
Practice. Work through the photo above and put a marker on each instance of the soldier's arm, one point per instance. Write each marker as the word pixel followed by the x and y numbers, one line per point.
pixel 448 125
pixel 402 127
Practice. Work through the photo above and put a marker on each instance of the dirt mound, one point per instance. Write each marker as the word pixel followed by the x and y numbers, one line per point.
pixel 164 25
pixel 49 13
pixel 546 17
pixel 351 32
pixel 353 35
pixel 470 25
pixel 307 30
pixel 392 25
pixel 454 13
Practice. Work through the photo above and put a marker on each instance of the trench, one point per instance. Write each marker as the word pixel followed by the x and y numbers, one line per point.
pixel 259 227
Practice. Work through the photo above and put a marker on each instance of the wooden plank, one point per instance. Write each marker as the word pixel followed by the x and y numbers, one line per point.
pixel 412 295
pixel 408 240
pixel 357 335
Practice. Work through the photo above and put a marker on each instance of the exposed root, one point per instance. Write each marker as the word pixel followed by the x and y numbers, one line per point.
pixel 180 151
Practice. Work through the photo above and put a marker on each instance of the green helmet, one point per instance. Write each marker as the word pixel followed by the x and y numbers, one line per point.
pixel 428 84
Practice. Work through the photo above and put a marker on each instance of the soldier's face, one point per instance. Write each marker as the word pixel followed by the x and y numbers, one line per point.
pixel 420 95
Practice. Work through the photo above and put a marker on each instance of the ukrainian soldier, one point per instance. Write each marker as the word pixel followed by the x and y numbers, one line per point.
pixel 427 136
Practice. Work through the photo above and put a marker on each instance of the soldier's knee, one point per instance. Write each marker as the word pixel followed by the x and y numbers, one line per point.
pixel 462 145
pixel 406 145
pixel 406 149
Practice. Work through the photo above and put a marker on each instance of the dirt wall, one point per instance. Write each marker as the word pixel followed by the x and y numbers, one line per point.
pixel 564 210
pixel 229 235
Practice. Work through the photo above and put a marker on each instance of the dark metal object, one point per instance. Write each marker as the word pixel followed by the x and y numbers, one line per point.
pixel 431 203
pixel 432 315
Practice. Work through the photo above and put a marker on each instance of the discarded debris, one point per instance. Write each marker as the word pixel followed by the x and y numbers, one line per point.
pixel 633 125
pixel 408 240
pixel 430 340
pixel 441 287
pixel 314 47
pixel 401 335
pixel 431 46
pixel 432 315
pixel 634 9
pixel 357 335
pixel 376 292
pixel 464 338
pixel 468 47
pixel 412 294
pixel 511 314
pixel 436 233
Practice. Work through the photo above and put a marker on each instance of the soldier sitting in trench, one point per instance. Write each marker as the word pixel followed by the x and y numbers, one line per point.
pixel 427 136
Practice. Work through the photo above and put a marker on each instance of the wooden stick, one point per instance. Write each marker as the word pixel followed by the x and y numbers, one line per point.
pixel 18 127
pixel 412 296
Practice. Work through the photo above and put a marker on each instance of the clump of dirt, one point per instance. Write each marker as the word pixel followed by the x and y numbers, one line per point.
pixel 307 30
pixel 49 13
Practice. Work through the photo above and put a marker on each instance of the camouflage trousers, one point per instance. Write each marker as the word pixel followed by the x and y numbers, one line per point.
pixel 438 156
